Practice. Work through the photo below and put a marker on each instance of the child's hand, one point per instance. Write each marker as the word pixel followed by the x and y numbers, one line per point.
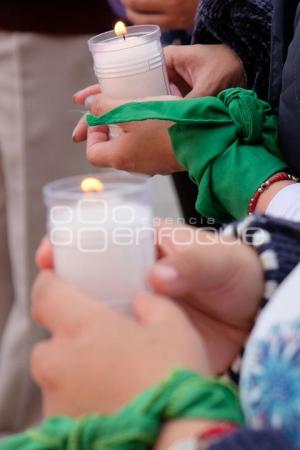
pixel 44 255
pixel 219 283
pixel 96 360
pixel 140 148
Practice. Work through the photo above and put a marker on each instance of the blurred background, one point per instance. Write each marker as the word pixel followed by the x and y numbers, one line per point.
pixel 44 60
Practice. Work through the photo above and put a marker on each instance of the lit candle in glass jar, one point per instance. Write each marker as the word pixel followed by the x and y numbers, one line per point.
pixel 129 62
pixel 101 232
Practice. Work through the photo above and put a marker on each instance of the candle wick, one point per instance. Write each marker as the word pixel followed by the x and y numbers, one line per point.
pixel 124 37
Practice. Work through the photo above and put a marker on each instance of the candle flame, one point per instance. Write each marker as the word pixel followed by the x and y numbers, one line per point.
pixel 120 29
pixel 91 185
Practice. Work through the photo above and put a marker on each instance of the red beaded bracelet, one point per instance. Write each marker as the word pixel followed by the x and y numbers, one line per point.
pixel 218 430
pixel 281 176
pixel 206 437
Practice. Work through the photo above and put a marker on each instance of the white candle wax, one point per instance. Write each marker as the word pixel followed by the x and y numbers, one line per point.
pixel 109 261
pixel 133 67
pixel 104 246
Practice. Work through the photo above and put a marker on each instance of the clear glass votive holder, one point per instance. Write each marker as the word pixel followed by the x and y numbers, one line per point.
pixel 133 66
pixel 102 239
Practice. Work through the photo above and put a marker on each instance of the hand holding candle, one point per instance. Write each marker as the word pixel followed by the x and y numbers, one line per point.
pixel 129 68
pixel 101 232
pixel 129 63
pixel 78 369
pixel 143 149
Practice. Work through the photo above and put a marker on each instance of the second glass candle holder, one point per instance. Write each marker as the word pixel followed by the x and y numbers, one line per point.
pixel 101 231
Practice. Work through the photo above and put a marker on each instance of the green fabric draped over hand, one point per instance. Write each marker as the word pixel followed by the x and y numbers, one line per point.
pixel 228 144
pixel 137 426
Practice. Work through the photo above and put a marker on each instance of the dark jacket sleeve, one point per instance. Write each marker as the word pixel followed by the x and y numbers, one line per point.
pixel 289 105
pixel 245 26
pixel 253 440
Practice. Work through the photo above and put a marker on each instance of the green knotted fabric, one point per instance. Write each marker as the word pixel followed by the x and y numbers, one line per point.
pixel 228 144
pixel 137 426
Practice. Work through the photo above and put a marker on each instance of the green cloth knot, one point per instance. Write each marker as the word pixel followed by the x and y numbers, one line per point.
pixel 246 112
pixel 228 144
pixel 183 395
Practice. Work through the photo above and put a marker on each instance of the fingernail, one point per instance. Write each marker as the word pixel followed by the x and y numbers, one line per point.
pixel 76 94
pixel 167 274
pixel 88 102
pixel 171 281
pixel 74 134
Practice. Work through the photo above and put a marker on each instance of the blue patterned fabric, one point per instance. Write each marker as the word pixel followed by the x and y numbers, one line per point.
pixel 253 440
pixel 244 439
pixel 276 241
pixel 176 37
pixel 244 26
pixel 271 381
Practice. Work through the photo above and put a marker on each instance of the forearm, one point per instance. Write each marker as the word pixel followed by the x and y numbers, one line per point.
pixel 286 203
pixel 228 144
pixel 229 172
pixel 275 194
pixel 245 27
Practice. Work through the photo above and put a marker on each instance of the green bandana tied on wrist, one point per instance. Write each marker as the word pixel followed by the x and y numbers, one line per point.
pixel 137 426
pixel 228 144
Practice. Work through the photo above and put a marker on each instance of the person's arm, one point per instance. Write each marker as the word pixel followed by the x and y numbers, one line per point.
pixel 284 203
pixel 245 27
pixel 248 439
pixel 245 439
pixel 228 145
pixel 180 431
pixel 289 106
pixel 271 201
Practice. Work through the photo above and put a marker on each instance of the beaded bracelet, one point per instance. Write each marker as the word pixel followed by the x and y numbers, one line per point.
pixel 281 176
pixel 207 437
pixel 218 430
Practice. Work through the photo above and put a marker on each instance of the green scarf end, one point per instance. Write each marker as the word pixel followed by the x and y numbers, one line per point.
pixel 228 144
pixel 184 394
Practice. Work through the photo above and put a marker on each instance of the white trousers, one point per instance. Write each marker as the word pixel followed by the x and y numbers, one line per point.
pixel 38 76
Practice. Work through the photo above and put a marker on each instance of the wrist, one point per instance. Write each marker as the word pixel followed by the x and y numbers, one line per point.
pixel 180 430
pixel 229 172
pixel 193 435
pixel 267 191
pixel 267 196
